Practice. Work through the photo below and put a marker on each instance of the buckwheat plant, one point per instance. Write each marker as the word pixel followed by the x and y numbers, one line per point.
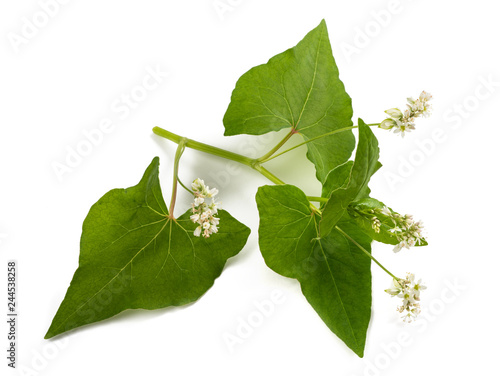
pixel 136 253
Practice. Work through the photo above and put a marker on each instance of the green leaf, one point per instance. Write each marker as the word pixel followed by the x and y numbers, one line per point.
pixel 364 166
pixel 365 224
pixel 300 89
pixel 134 256
pixel 334 274
pixel 337 178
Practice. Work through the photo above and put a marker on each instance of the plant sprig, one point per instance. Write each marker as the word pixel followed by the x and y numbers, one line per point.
pixel 136 254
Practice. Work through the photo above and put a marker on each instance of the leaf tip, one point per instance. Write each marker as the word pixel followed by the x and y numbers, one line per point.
pixel 359 352
pixel 49 334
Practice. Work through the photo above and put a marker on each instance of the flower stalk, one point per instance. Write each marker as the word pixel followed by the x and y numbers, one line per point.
pixel 178 154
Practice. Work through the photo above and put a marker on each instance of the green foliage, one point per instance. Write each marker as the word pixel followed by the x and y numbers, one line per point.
pixel 298 89
pixel 333 273
pixel 364 166
pixel 133 255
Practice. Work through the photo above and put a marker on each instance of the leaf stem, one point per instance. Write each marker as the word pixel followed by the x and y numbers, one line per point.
pixel 366 252
pixel 307 141
pixel 277 147
pixel 178 154
pixel 183 186
pixel 263 159
pixel 317 199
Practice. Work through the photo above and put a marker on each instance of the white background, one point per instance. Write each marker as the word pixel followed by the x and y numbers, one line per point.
pixel 65 78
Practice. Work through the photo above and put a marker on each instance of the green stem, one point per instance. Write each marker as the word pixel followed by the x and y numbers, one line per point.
pixel 204 147
pixel 253 163
pixel 307 141
pixel 317 199
pixel 366 252
pixel 277 147
pixel 264 159
pixel 183 186
pixel 178 154
pixel 268 174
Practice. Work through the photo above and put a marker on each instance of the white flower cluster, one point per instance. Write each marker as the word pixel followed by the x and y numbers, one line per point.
pixel 409 291
pixel 407 231
pixel 204 213
pixel 403 122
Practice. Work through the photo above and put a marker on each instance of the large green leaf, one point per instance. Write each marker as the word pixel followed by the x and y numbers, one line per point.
pixel 333 273
pixel 364 166
pixel 134 256
pixel 300 89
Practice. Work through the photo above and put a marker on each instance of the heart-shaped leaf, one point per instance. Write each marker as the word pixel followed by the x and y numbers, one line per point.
pixel 300 89
pixel 133 255
pixel 334 274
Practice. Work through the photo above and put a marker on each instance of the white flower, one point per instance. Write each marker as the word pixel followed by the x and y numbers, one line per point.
pixel 425 97
pixel 205 216
pixel 197 185
pixel 204 213
pixel 212 192
pixel 398 247
pixel 401 122
pixel 409 291
pixel 418 287
pixel 406 230
pixel 386 211
pixel 213 206
pixel 395 288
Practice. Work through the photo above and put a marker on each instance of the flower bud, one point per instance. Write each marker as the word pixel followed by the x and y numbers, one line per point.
pixel 394 113
pixel 388 124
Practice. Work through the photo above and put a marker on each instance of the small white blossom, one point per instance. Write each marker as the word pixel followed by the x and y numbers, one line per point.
pixel 409 291
pixel 406 230
pixel 404 121
pixel 204 213
pixel 198 185
pixel 212 192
